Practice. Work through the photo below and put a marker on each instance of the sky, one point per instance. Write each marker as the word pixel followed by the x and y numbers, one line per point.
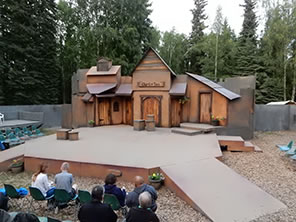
pixel 176 13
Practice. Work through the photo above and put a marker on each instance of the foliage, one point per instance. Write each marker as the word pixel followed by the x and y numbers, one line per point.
pixel 217 118
pixel 91 122
pixel 17 163
pixel 173 49
pixel 29 70
pixel 184 100
pixel 156 177
pixel 194 54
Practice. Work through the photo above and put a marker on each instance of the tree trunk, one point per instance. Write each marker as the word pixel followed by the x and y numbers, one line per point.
pixel 216 57
pixel 285 79
pixel 294 84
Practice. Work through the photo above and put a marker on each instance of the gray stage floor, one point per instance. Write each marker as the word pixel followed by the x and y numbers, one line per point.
pixel 121 145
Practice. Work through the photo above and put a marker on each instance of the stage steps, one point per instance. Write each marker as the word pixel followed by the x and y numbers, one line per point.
pixel 192 129
pixel 200 126
pixel 220 193
pixel 236 143
pixel 187 132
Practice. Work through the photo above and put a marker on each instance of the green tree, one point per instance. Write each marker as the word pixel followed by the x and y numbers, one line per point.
pixel 29 69
pixel 173 49
pixel 224 55
pixel 194 54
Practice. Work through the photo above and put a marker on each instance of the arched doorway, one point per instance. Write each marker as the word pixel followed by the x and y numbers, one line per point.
pixel 151 105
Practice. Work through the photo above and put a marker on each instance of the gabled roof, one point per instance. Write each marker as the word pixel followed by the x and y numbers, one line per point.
pixel 219 89
pixel 153 50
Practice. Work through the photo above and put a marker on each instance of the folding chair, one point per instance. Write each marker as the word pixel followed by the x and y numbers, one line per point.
pixel 38 133
pixel 114 203
pixel 62 198
pixel 83 196
pixel 14 196
pixel 37 195
pixel 286 148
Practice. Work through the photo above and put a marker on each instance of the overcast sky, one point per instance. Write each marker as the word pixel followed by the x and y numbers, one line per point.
pixel 176 13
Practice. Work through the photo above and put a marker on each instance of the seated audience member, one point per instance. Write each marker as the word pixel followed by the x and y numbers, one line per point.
pixel 3 202
pixel 5 216
pixel 96 211
pixel 25 217
pixel 132 198
pixel 64 180
pixel 111 188
pixel 40 180
pixel 142 213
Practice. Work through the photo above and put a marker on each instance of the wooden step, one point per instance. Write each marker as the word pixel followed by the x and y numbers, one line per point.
pixel 206 128
pixel 187 132
pixel 248 147
pixel 236 143
pixel 231 141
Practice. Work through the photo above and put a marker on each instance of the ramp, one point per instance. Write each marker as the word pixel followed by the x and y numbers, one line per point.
pixel 219 192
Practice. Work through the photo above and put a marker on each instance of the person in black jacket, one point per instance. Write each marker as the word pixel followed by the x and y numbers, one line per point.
pixel 111 188
pixel 142 213
pixel 132 198
pixel 96 211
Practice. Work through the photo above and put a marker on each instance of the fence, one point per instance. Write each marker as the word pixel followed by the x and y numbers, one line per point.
pixel 275 117
pixel 52 114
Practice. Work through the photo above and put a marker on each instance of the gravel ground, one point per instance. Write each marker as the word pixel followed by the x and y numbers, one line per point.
pixel 271 170
pixel 170 207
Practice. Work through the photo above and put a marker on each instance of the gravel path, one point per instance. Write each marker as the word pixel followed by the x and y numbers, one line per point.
pixel 270 170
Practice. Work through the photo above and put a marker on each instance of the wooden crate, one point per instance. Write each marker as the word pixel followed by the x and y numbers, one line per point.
pixel 62 134
pixel 73 135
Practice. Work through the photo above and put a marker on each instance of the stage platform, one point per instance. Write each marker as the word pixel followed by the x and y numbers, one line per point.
pixel 122 146
pixel 190 166
pixel 19 123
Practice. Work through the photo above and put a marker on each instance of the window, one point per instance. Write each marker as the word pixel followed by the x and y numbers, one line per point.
pixel 116 107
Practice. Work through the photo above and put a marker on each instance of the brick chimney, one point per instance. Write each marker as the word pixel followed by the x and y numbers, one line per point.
pixel 104 64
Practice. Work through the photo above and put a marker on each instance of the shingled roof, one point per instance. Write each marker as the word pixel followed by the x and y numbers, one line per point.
pixel 219 89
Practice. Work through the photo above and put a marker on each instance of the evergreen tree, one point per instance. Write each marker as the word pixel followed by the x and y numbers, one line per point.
pixel 194 53
pixel 247 45
pixel 29 70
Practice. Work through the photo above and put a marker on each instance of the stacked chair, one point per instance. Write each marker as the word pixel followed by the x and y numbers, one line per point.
pixel 289 149
pixel 18 136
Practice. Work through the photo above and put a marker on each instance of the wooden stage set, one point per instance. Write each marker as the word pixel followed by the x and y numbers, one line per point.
pixel 190 165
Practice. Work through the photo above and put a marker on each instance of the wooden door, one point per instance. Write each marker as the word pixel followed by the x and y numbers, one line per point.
pixel 129 112
pixel 104 112
pixel 151 106
pixel 205 107
pixel 175 112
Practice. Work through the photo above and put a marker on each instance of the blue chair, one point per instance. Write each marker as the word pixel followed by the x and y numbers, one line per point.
pixel 291 151
pixel 38 133
pixel 286 148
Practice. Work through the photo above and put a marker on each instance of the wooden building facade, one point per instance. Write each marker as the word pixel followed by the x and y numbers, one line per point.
pixel 101 94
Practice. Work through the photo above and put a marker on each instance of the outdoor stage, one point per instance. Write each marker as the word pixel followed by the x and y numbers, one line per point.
pixel 19 123
pixel 189 164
